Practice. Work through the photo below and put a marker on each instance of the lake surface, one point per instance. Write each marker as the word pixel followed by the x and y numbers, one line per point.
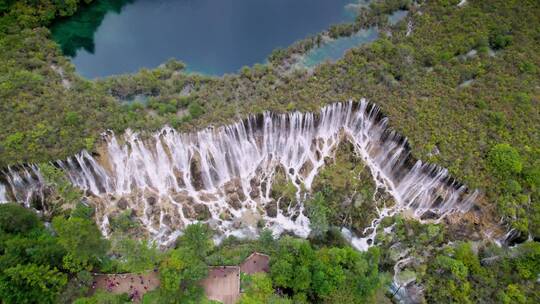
pixel 210 36
pixel 336 48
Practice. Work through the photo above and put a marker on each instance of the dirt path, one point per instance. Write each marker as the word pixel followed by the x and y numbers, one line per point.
pixel 135 285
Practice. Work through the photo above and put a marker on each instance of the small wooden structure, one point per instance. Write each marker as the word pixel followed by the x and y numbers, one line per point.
pixel 256 262
pixel 223 284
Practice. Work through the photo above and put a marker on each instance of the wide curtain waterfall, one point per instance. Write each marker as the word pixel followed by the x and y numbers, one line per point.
pixel 171 178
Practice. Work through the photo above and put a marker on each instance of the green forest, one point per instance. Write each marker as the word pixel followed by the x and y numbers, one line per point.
pixel 480 111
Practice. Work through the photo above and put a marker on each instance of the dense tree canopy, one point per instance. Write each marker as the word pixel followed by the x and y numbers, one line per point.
pixel 82 241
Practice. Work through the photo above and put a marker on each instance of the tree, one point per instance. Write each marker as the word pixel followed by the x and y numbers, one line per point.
pixel 38 247
pixel 82 241
pixel 137 256
pixel 195 110
pixel 326 274
pixel 64 193
pixel 448 281
pixel 180 274
pixel 102 297
pixel 31 283
pixel 504 160
pixel 317 213
pixel 266 240
pixel 292 267
pixel 197 238
pixel 14 218
pixel 259 290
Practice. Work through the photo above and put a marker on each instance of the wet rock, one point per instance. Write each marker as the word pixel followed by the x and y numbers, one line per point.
pixel 151 200
pixel 234 201
pixel 122 204
pixel 254 193
pixel 225 215
pixel 232 186
pixel 429 215
pixel 271 208
pixel 152 210
pixel 214 224
pixel 167 220
pixel 264 185
pixel 207 197
pixel 188 212
pixel 179 176
pixel 254 182
pixel 241 195
pixel 195 170
pixel 250 218
pixel 306 168
pixel 182 198
pixel 201 212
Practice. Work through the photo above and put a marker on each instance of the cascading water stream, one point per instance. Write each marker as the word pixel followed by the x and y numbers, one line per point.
pixel 171 178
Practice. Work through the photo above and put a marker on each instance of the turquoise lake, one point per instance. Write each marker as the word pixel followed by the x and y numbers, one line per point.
pixel 211 36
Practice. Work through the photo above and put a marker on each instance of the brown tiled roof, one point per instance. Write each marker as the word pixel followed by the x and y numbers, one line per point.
pixel 256 262
pixel 223 284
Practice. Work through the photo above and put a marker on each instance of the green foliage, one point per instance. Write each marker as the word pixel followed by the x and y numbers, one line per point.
pixel 346 189
pixel 454 277
pixel 195 110
pixel 14 218
pixel 102 297
pixel 83 211
pixel 317 211
pixel 38 247
pixel 321 275
pixel 123 222
pixel 197 239
pixel 282 188
pixel 180 273
pixel 82 241
pixel 78 287
pixel 266 240
pixel 64 193
pixel 31 283
pixel 457 275
pixel 136 256
pixel 505 160
pixel 512 295
pixel 259 290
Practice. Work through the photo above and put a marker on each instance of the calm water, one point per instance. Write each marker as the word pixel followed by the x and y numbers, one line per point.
pixel 211 36
pixel 335 49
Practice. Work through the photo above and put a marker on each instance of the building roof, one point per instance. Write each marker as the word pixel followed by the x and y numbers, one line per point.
pixel 223 284
pixel 256 262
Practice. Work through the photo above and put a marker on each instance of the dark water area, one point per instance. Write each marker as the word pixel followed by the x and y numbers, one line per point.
pixel 211 36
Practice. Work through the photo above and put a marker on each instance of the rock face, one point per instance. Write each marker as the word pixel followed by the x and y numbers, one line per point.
pixel 221 174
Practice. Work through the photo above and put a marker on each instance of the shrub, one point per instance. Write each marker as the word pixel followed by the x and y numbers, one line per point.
pixel 195 110
pixel 14 218
pixel 504 160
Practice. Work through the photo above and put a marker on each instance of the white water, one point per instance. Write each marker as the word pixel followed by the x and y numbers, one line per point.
pixel 230 170
pixel 3 194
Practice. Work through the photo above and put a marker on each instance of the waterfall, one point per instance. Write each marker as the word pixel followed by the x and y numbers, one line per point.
pixel 171 178
pixel 3 194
